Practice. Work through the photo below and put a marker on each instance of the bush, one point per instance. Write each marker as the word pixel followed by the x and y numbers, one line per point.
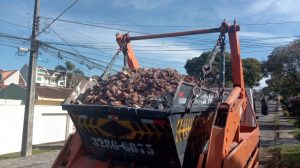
pixel 294 105
pixel 284 156
pixel 286 113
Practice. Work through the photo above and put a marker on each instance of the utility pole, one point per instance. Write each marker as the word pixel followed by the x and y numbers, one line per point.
pixel 26 149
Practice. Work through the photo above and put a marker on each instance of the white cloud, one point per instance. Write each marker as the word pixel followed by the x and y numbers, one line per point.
pixel 166 50
pixel 266 37
pixel 142 4
pixel 288 8
pixel 260 6
pixel 255 34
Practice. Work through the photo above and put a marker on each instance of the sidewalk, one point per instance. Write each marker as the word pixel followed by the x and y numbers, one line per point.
pixel 275 129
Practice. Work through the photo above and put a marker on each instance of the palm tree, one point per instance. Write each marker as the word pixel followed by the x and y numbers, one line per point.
pixel 68 71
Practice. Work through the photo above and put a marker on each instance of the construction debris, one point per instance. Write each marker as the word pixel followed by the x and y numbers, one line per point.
pixel 138 88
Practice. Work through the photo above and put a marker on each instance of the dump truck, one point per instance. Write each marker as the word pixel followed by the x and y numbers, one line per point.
pixel 203 128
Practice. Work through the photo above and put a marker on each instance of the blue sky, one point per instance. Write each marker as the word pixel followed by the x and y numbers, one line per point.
pixel 168 15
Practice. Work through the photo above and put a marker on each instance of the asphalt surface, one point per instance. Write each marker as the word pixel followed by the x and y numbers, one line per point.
pixel 43 160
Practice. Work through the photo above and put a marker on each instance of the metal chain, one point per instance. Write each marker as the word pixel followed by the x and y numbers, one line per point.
pixel 124 48
pixel 206 69
pixel 222 66
pixel 109 66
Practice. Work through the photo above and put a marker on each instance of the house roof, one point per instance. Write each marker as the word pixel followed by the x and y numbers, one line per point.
pixel 51 72
pixel 6 74
pixel 52 92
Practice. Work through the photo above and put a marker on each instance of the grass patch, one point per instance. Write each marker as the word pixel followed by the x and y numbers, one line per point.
pixel 291 121
pixel 297 123
pixel 288 155
pixel 296 133
pixel 18 154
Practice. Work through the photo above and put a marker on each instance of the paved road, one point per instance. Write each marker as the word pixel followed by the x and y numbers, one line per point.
pixel 43 160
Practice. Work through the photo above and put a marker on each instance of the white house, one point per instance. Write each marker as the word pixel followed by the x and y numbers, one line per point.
pixel 45 77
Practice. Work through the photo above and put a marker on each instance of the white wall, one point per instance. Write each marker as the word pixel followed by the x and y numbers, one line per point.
pixel 14 78
pixel 10 102
pixel 49 126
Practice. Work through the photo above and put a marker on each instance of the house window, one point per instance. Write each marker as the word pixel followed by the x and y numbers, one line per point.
pixel 39 78
pixel 41 71
pixel 61 83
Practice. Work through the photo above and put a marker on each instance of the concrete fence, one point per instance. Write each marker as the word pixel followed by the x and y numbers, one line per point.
pixel 51 124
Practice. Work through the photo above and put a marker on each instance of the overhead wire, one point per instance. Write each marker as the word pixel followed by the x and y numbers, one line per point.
pixel 81 57
pixel 75 61
pixel 166 26
pixel 12 23
pixel 45 28
pixel 211 40
pixel 7 45
pixel 99 26
pixel 146 33
pixel 90 57
pixel 66 42
pixel 102 67
pixel 246 45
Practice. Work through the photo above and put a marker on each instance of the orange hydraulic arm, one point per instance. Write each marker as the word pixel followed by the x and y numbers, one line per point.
pixel 125 46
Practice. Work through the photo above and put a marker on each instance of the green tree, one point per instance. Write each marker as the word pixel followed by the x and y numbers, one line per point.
pixel 283 66
pixel 69 71
pixel 252 71
pixel 194 68
pixel 251 66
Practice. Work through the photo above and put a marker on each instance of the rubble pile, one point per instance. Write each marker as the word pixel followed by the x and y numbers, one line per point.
pixel 139 88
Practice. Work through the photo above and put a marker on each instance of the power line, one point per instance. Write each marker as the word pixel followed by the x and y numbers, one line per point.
pixel 7 45
pixel 110 47
pixel 11 23
pixel 141 51
pixel 65 41
pixel 146 62
pixel 271 23
pixel 242 44
pixel 58 17
pixel 13 37
pixel 169 26
pixel 100 66
pixel 71 59
pixel 147 33
pixel 99 26
pixel 81 57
